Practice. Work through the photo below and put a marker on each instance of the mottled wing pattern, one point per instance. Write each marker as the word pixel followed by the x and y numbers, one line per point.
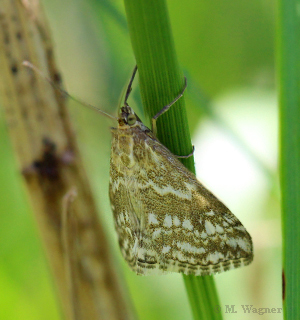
pixel 165 219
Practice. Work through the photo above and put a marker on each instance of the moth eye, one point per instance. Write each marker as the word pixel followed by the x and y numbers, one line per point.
pixel 131 119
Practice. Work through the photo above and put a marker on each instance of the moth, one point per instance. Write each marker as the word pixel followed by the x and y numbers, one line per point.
pixel 166 220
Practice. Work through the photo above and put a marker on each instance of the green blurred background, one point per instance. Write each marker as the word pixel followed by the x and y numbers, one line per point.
pixel 226 50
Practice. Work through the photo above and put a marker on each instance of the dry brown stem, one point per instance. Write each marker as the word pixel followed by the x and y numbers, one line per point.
pixel 48 158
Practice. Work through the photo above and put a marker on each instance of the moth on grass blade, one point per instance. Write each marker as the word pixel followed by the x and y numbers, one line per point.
pixel 166 220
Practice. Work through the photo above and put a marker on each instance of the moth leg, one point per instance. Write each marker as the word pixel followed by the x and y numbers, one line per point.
pixel 189 155
pixel 129 88
pixel 167 107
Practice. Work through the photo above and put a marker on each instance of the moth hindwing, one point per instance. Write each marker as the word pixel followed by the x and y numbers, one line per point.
pixel 166 220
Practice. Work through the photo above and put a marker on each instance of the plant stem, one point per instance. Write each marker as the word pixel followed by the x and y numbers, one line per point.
pixel 160 82
pixel 289 98
pixel 49 159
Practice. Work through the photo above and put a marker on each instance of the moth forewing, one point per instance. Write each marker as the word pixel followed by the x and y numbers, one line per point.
pixel 166 220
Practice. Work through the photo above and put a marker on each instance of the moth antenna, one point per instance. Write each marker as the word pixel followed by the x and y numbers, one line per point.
pixel 129 88
pixel 40 73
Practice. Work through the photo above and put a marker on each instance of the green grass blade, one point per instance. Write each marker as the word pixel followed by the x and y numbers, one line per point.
pixel 160 82
pixel 289 98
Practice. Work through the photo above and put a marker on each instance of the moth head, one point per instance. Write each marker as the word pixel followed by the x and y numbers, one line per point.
pixel 127 117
